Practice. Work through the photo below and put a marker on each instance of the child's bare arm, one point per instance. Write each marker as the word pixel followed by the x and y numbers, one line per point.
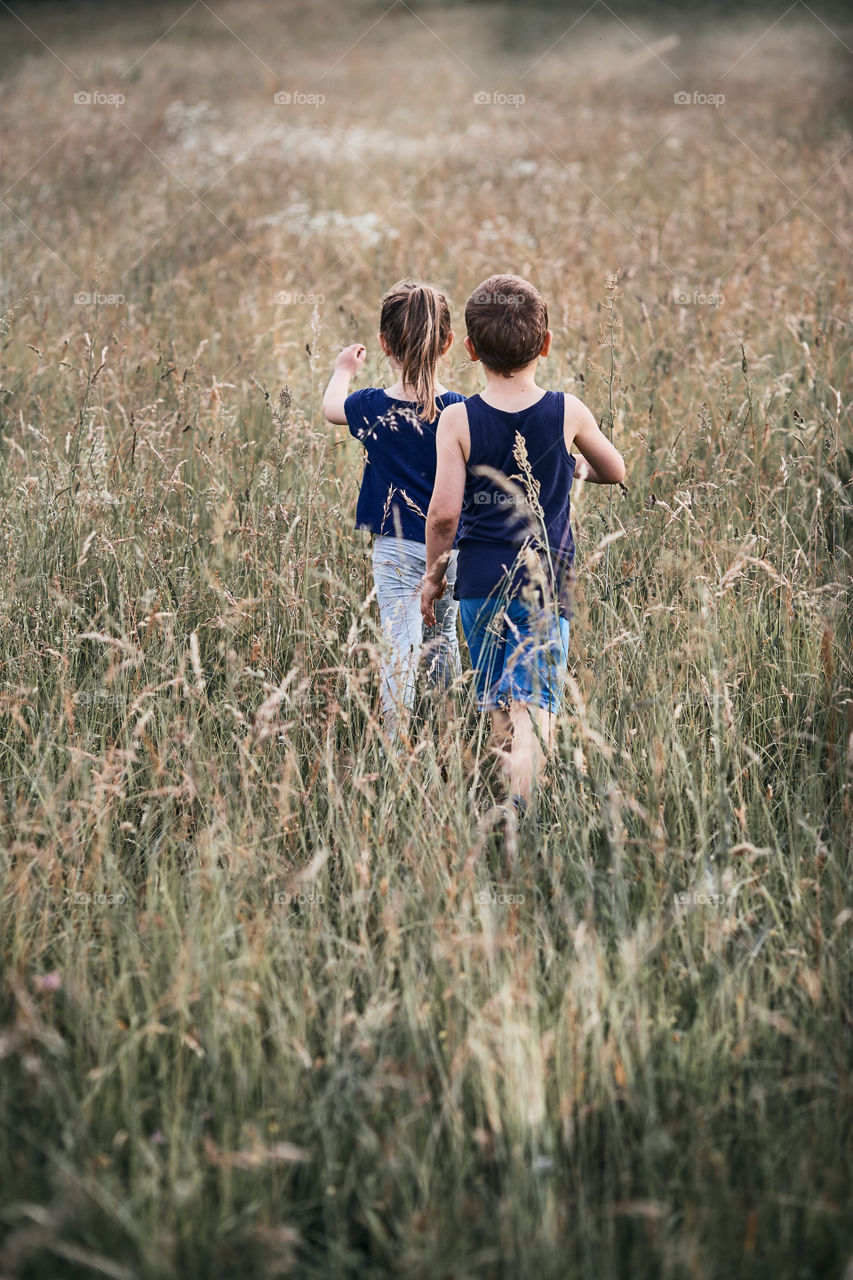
pixel 445 507
pixel 348 362
pixel 583 471
pixel 600 462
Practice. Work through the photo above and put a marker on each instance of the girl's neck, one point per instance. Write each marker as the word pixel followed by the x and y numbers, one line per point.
pixel 402 391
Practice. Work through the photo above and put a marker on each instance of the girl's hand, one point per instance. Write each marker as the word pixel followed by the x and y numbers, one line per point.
pixel 351 358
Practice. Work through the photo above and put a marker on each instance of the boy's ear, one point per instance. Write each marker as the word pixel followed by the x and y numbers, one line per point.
pixel 469 347
pixel 546 345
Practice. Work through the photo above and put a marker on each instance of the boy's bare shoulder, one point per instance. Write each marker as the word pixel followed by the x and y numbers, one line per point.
pixel 454 418
pixel 455 412
pixel 453 426
pixel 575 407
pixel 577 417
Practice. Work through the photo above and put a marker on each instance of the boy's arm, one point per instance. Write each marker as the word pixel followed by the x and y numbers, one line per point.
pixel 348 362
pixel 600 463
pixel 583 471
pixel 452 443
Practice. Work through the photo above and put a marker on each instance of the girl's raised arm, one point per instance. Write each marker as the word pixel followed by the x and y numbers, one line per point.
pixel 347 362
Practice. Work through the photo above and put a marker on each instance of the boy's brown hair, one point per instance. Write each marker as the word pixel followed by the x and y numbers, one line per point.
pixel 507 319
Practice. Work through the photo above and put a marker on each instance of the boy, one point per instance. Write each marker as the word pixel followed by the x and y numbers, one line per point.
pixel 504 464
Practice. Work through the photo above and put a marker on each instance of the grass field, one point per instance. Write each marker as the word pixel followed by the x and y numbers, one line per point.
pixel 271 1004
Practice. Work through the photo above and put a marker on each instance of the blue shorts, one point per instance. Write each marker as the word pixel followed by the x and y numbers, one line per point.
pixel 517 652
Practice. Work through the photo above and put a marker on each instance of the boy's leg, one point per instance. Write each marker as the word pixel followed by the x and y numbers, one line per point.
pixel 482 624
pixel 397 573
pixel 502 738
pixel 534 674
pixel 531 729
pixel 485 635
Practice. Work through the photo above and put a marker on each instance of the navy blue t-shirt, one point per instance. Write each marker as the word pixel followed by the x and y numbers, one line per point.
pixel 399 470
pixel 498 519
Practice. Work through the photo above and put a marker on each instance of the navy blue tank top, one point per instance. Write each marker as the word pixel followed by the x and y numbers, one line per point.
pixel 399 469
pixel 500 523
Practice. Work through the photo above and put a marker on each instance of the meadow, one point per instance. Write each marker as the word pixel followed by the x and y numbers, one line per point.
pixel 273 1003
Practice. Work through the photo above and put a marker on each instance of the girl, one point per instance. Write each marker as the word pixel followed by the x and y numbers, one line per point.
pixel 397 428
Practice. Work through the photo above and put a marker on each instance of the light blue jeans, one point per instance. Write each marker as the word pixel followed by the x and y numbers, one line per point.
pixel 399 565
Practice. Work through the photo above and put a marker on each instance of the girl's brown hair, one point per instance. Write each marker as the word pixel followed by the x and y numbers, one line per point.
pixel 415 322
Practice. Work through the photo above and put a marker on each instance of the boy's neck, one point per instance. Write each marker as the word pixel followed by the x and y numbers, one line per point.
pixel 519 391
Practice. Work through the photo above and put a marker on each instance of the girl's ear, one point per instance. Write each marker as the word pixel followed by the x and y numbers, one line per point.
pixel 384 345
pixel 449 343
pixel 546 345
pixel 469 347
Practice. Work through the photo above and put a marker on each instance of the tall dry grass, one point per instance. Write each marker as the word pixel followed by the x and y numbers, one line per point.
pixel 271 1001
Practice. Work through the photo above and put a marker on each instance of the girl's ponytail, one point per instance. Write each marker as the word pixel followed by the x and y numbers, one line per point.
pixel 415 322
